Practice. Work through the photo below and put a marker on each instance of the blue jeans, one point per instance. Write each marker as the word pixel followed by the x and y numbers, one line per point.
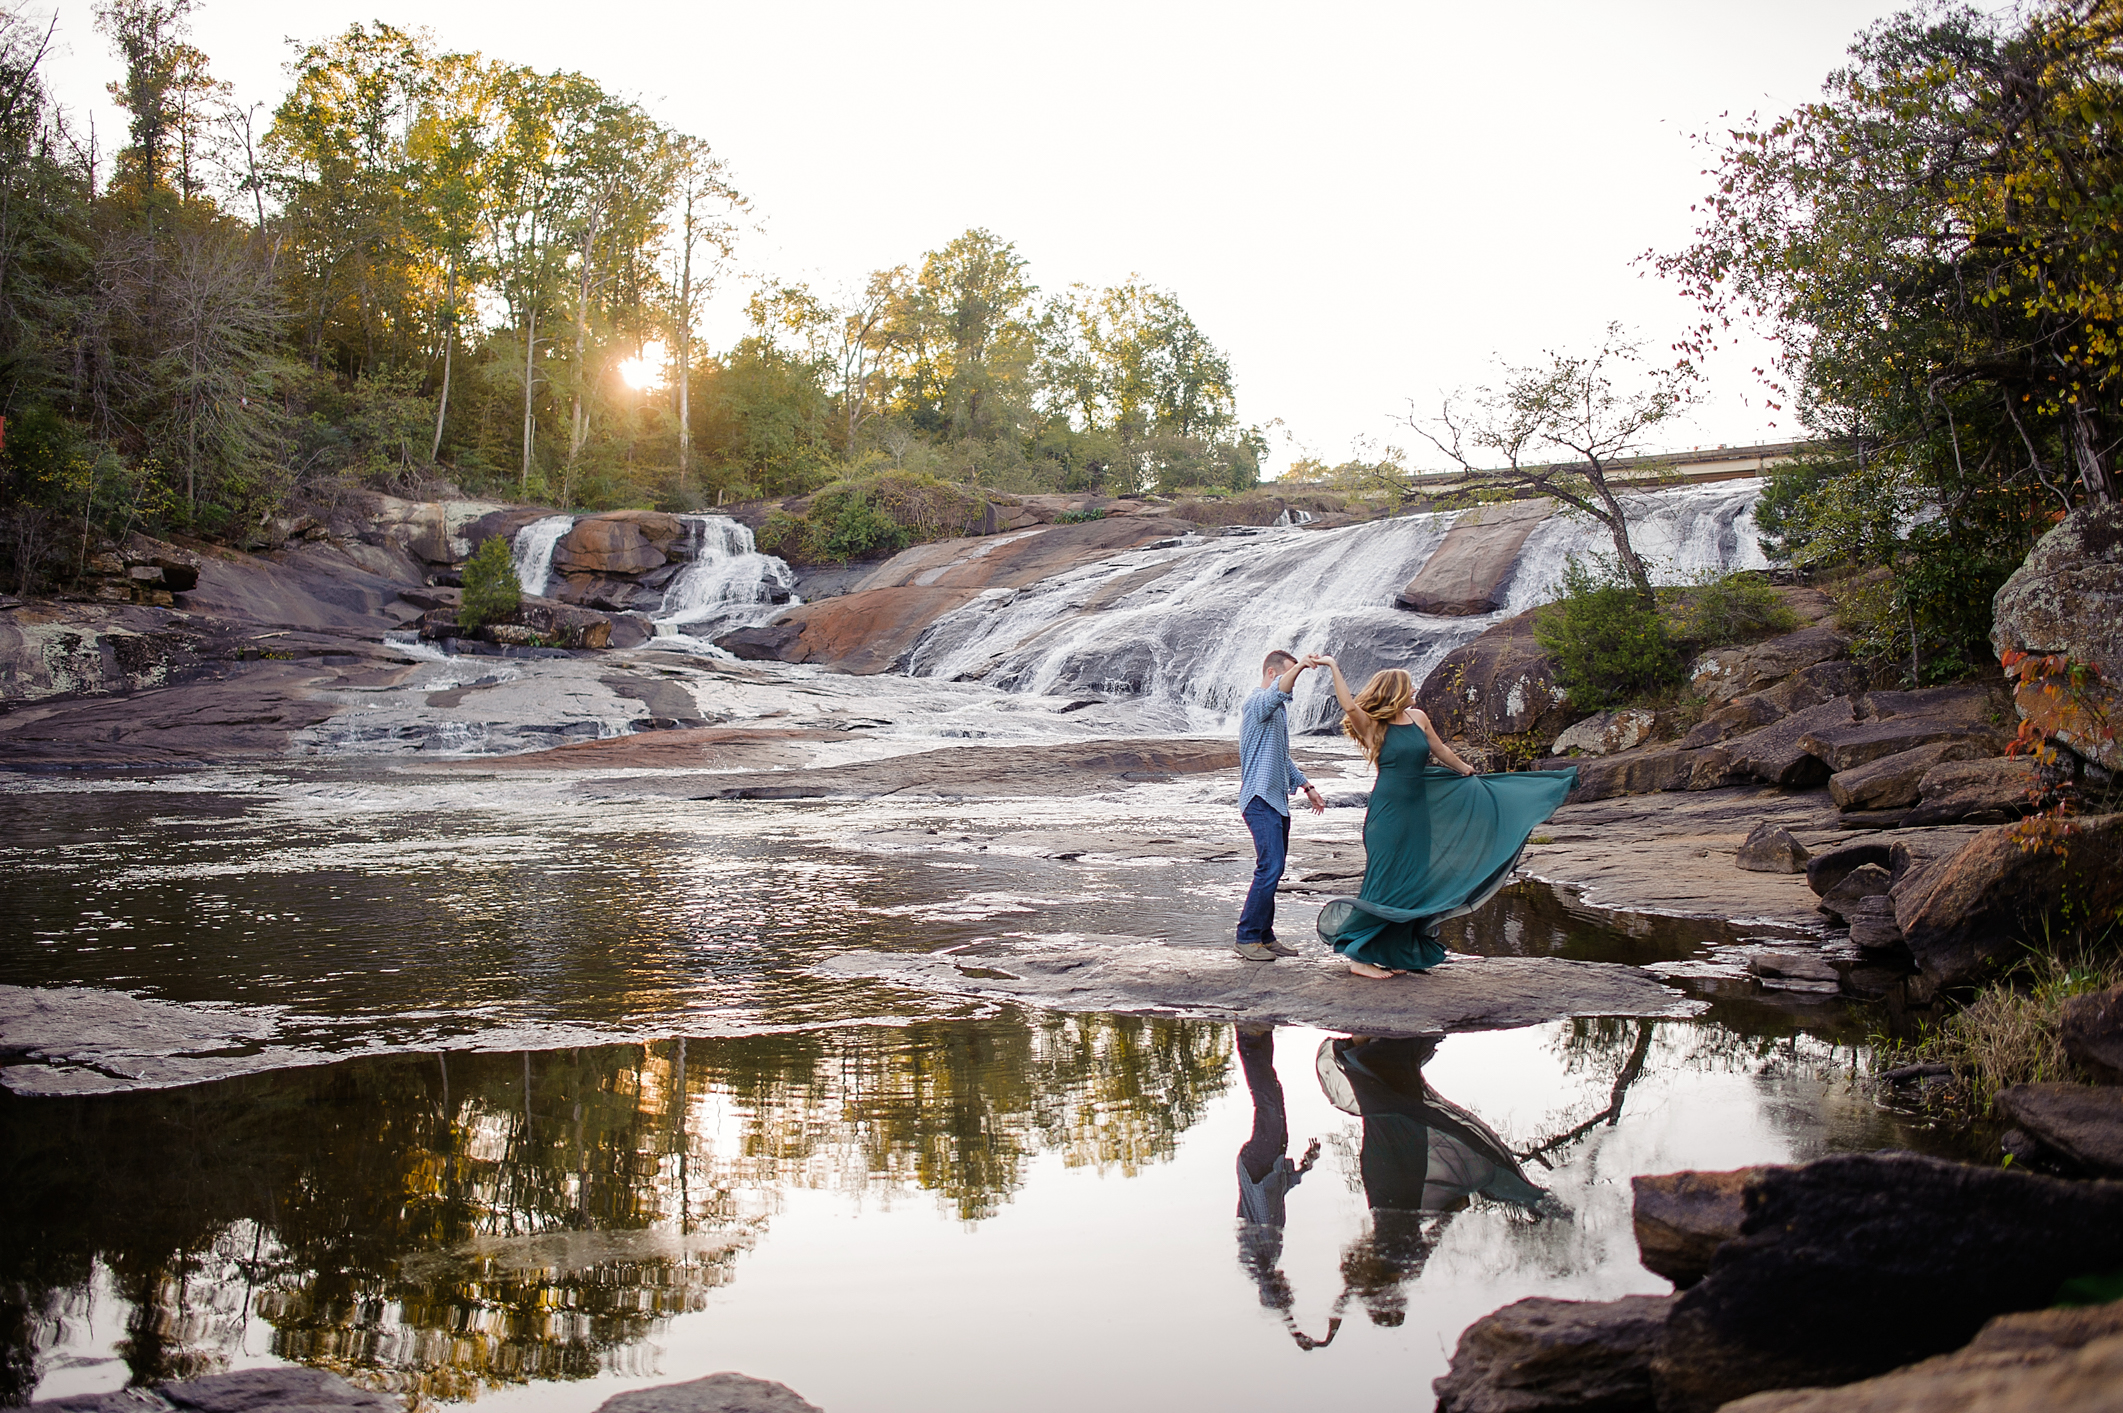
pixel 1270 828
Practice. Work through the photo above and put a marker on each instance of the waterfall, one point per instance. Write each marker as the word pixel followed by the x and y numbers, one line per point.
pixel 725 583
pixel 1181 627
pixel 534 548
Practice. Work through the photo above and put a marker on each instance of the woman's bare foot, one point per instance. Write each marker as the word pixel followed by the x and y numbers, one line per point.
pixel 1375 973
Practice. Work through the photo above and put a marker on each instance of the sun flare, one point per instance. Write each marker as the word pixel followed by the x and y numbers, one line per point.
pixel 645 369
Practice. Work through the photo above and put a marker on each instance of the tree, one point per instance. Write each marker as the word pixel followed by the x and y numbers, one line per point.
pixel 1568 406
pixel 704 198
pixel 963 323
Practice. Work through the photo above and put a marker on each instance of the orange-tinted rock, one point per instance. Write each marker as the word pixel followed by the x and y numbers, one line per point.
pixel 608 544
pixel 1683 1218
pixel 870 627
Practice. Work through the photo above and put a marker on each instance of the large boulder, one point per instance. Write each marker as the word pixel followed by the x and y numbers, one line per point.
pixel 608 544
pixel 1847 747
pixel 1892 781
pixel 1851 1266
pixel 2068 599
pixel 1725 673
pixel 1978 792
pixel 1777 754
pixel 433 531
pixel 1741 715
pixel 1500 684
pixel 2091 1027
pixel 1606 732
pixel 1639 772
pixel 1683 1218
pixel 1469 572
pixel 1568 1356
pixel 2081 1123
pixel 1967 915
pixel 2043 1361
pixel 1771 848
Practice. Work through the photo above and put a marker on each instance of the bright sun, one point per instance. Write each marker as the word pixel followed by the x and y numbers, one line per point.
pixel 646 370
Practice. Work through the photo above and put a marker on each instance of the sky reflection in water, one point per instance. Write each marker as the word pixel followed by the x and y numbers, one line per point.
pixel 896 1202
pixel 1033 1209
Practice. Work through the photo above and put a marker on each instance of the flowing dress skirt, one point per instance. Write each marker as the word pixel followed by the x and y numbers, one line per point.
pixel 1437 844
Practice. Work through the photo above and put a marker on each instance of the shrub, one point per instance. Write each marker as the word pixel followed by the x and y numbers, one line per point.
pixel 491 592
pixel 1080 517
pixel 1731 608
pixel 2011 1032
pixel 846 524
pixel 1607 646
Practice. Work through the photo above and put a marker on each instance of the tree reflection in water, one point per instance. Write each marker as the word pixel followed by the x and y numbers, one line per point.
pixel 441 1224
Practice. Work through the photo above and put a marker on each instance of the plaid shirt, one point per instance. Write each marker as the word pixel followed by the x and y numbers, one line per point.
pixel 1264 765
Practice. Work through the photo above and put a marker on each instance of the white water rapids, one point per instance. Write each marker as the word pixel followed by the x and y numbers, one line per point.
pixel 1180 627
pixel 721 580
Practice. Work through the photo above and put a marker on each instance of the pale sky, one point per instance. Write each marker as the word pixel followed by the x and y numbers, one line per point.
pixel 1361 203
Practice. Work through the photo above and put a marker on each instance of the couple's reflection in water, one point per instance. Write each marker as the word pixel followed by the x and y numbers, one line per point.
pixel 1422 1158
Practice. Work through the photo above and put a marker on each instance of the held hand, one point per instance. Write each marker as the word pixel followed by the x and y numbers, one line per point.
pixel 1312 1155
pixel 1319 803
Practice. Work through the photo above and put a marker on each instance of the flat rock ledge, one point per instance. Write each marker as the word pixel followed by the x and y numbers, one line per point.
pixel 1463 993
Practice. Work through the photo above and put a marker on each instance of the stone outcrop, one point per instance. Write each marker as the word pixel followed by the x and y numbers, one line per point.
pixel 1777 754
pixel 2043 1361
pixel 1770 848
pixel 1315 989
pixel 1606 732
pixel 1568 1356
pixel 1978 792
pixel 1964 916
pixel 1726 673
pixel 1471 570
pixel 1851 1266
pixel 869 628
pixel 1683 1218
pixel 2091 1027
pixel 2068 599
pixel 1500 684
pixel 1892 781
pixel 2079 1123
pixel 717 1393
pixel 1863 882
pixel 622 542
pixel 1858 744
pixel 435 532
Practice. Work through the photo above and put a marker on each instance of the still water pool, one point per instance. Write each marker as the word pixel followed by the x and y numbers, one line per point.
pixel 884 1200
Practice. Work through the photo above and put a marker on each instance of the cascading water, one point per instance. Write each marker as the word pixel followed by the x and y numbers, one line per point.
pixel 1181 627
pixel 726 581
pixel 533 551
pixel 720 580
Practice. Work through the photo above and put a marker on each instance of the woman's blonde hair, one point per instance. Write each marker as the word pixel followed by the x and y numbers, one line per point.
pixel 1384 697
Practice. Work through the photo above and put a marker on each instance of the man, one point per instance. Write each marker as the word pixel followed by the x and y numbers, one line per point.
pixel 1266 780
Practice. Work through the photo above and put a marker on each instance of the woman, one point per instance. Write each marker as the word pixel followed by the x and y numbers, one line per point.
pixel 1438 843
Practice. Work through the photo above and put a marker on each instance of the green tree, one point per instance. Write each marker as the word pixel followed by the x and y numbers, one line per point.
pixel 491 592
pixel 1558 428
pixel 964 325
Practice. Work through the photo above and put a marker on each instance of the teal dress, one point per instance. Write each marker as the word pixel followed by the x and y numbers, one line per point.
pixel 1437 844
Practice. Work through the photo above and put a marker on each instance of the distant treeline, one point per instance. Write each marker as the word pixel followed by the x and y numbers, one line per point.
pixel 425 266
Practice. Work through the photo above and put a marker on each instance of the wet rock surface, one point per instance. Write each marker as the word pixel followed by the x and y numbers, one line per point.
pixel 1469 572
pixel 1682 1219
pixel 1855 1265
pixel 1539 1355
pixel 2079 1123
pixel 245 1391
pixel 1463 993
pixel 2048 1361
